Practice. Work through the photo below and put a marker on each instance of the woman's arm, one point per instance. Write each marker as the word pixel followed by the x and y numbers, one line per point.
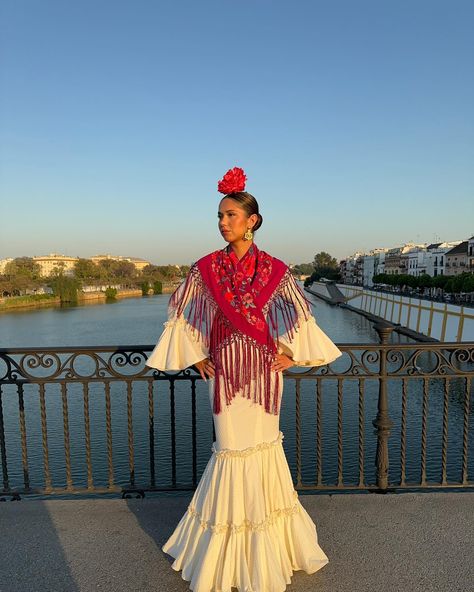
pixel 304 341
pixel 180 344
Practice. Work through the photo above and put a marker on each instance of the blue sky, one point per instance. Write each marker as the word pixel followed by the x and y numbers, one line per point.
pixel 353 121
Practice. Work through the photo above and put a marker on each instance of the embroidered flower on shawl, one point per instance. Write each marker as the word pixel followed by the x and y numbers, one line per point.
pixel 240 282
pixel 221 320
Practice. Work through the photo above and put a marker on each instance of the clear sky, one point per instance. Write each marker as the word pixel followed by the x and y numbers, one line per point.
pixel 354 121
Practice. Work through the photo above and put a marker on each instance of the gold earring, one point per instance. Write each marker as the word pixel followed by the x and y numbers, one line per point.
pixel 248 234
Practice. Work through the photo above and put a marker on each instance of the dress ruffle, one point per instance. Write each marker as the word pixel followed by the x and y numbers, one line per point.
pixel 178 347
pixel 245 526
pixel 310 346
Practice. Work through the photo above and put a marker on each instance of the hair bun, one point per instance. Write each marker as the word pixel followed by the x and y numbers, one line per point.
pixel 233 181
pixel 258 223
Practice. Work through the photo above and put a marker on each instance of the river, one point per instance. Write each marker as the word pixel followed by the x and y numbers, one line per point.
pixel 139 321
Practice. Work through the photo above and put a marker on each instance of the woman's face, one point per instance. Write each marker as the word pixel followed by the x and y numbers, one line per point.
pixel 233 220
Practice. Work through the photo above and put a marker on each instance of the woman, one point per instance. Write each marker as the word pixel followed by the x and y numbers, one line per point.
pixel 241 319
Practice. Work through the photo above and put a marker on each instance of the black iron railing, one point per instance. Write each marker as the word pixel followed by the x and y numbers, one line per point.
pixel 96 420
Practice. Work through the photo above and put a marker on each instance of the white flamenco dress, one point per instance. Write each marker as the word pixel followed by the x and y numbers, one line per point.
pixel 245 526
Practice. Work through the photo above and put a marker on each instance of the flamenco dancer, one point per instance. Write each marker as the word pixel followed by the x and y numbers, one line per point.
pixel 241 319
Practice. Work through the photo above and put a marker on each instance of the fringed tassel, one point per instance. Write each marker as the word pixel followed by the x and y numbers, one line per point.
pixel 288 305
pixel 242 365
pixel 192 300
pixel 247 369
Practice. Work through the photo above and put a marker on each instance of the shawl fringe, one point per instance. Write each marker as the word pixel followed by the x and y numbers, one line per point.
pixel 287 306
pixel 202 306
pixel 246 367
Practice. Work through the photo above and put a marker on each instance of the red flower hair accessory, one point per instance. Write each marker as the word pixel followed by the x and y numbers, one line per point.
pixel 232 181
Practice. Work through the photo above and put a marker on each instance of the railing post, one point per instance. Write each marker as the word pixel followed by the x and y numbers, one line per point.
pixel 382 422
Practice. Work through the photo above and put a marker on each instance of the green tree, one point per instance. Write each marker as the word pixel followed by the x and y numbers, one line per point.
pixel 65 287
pixel 325 266
pixel 124 270
pixel 23 266
pixel 425 281
pixel 85 269
pixel 22 274
pixel 440 281
pixel 111 293
pixel 303 269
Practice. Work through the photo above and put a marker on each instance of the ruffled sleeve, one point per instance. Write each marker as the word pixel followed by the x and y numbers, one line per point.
pixel 177 347
pixel 180 345
pixel 306 343
pixel 310 346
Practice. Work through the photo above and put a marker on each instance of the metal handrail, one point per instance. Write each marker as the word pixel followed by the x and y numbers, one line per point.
pixel 83 378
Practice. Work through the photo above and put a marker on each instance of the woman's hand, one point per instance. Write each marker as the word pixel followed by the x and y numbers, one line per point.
pixel 205 367
pixel 282 362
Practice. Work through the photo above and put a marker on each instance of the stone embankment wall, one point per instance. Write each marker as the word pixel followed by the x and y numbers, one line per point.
pixel 25 302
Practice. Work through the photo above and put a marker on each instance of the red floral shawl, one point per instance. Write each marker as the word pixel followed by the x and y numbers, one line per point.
pixel 230 301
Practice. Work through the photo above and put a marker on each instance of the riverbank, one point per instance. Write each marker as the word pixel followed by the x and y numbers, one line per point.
pixel 34 301
pixel 415 317
pixel 331 294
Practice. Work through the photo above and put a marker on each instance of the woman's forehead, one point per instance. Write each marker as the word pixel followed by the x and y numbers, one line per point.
pixel 228 204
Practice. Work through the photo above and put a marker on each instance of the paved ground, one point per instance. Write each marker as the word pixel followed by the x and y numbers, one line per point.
pixel 407 542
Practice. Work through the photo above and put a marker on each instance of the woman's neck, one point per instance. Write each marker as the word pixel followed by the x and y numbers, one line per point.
pixel 240 247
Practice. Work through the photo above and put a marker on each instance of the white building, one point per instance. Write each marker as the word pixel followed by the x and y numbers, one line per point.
pixel 373 263
pixel 436 262
pixel 416 260
pixel 49 264
pixel 137 262
pixel 4 263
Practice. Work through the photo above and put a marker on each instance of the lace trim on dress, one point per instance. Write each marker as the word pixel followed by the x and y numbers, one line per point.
pixel 247 451
pixel 178 321
pixel 246 524
pixel 183 323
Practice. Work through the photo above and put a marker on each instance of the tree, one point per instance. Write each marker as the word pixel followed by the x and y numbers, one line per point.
pixel 425 281
pixel 325 266
pixel 303 269
pixel 85 269
pixel 324 259
pixel 105 270
pixel 440 281
pixel 22 274
pixel 124 270
pixel 111 293
pixel 23 266
pixel 65 287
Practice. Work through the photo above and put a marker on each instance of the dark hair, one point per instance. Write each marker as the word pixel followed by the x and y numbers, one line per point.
pixel 249 204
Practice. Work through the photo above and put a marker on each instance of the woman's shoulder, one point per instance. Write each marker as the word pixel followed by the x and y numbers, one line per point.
pixel 206 257
pixel 276 262
pixel 202 261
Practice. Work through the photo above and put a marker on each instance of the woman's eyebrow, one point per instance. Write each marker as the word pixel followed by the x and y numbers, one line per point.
pixel 226 211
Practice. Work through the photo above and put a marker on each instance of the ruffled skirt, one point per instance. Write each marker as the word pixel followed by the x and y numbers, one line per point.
pixel 245 526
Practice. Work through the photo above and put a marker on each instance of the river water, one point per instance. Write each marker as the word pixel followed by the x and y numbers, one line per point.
pixel 139 321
